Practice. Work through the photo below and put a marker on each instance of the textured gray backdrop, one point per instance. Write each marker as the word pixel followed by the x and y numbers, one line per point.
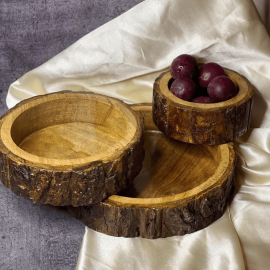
pixel 34 237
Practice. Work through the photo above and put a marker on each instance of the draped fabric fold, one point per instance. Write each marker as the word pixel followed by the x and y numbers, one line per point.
pixel 100 251
pixel 122 59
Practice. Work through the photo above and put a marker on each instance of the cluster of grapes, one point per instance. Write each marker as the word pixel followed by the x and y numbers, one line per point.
pixel 209 84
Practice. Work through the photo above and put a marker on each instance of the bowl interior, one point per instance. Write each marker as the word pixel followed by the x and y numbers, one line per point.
pixel 240 83
pixel 171 167
pixel 73 127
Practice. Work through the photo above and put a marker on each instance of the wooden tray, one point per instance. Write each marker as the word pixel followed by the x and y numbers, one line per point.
pixel 70 148
pixel 213 124
pixel 181 189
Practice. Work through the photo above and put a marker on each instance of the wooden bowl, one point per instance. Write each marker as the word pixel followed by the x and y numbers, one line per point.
pixel 181 189
pixel 211 124
pixel 70 148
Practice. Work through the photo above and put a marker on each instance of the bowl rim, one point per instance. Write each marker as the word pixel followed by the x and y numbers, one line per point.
pixel 224 168
pixel 244 91
pixel 7 120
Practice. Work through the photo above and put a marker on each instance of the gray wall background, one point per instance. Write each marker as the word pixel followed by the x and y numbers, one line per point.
pixel 34 237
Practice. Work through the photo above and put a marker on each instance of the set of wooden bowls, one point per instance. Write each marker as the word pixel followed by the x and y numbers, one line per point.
pixel 149 170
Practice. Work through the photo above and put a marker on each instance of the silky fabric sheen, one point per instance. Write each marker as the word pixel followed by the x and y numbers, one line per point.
pixel 122 59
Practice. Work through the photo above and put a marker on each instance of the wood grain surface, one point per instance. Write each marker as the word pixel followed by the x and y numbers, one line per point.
pixel 213 124
pixel 171 167
pixel 70 148
pixel 181 189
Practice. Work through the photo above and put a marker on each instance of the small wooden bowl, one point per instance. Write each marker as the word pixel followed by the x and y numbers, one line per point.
pixel 70 148
pixel 211 124
pixel 182 188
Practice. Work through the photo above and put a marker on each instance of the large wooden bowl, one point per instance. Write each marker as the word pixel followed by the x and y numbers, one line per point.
pixel 211 124
pixel 70 148
pixel 181 189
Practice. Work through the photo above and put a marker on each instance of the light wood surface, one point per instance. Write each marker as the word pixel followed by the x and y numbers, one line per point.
pixel 70 148
pixel 181 188
pixel 211 124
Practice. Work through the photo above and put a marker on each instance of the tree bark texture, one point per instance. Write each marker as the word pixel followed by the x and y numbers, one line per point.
pixel 200 125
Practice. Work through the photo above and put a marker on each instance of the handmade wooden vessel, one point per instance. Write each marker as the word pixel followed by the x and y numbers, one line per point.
pixel 211 124
pixel 70 148
pixel 182 188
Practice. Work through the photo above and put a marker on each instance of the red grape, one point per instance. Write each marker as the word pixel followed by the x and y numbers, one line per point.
pixel 208 72
pixel 221 88
pixel 183 88
pixel 184 65
pixel 202 99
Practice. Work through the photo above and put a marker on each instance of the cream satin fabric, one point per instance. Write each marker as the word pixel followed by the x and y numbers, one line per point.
pixel 122 59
